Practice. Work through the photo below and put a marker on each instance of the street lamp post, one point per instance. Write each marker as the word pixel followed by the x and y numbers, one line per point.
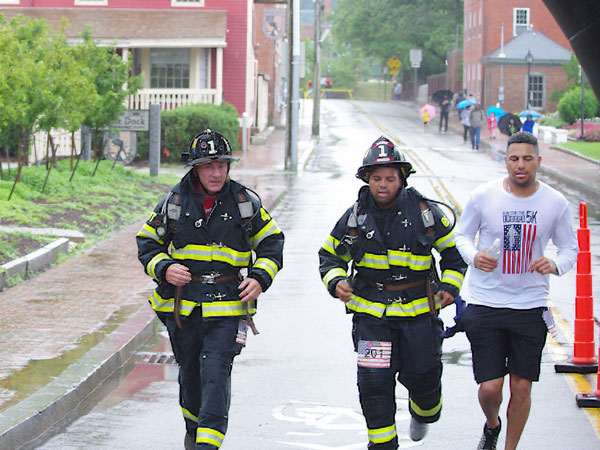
pixel 529 59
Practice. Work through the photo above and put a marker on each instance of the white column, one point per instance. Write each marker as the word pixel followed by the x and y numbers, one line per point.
pixel 219 94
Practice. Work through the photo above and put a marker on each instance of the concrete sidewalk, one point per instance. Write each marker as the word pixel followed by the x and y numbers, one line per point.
pixel 70 328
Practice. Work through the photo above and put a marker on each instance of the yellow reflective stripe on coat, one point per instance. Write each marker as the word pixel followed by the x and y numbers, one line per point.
pixel 151 267
pixel 227 308
pixel 269 229
pixel 444 242
pixel 209 436
pixel 189 415
pixel 362 305
pixel 334 273
pixel 413 308
pixel 160 304
pixel 425 412
pixel 331 244
pixel 381 435
pixel 211 253
pixel 410 260
pixel 267 265
pixel 453 277
pixel 148 232
pixel 377 309
pixel 373 261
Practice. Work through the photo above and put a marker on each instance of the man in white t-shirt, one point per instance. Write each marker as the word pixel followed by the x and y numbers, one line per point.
pixel 509 281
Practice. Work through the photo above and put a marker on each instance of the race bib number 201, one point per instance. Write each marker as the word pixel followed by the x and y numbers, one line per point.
pixel 374 354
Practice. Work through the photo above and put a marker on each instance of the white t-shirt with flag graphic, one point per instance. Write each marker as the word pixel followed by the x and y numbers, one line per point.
pixel 524 226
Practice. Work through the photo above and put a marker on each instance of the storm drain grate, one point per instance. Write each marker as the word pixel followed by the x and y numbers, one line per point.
pixel 160 358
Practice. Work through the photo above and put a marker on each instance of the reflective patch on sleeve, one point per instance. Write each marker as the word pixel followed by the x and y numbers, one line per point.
pixel 374 354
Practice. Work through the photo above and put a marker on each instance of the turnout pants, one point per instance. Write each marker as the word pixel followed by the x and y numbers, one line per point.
pixel 409 349
pixel 204 350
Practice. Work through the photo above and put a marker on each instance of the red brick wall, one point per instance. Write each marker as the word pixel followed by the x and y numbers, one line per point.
pixel 515 85
pixel 494 13
pixel 264 51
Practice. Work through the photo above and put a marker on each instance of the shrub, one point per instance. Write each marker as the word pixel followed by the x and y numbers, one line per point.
pixel 553 121
pixel 569 106
pixel 592 136
pixel 180 125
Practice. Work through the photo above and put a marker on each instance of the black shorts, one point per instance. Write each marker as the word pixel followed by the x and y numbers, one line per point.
pixel 505 340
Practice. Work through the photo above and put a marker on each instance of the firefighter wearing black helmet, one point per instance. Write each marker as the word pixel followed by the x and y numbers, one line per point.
pixel 386 238
pixel 198 246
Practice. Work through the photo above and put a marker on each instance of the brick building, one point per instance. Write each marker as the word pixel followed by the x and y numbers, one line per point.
pixel 493 26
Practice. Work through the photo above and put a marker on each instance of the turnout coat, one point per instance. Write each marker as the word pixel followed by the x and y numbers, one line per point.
pixel 218 245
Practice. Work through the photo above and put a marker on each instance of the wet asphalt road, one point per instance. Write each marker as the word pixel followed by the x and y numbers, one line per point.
pixel 294 385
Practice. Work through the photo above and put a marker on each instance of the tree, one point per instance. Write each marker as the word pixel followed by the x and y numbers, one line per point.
pixel 569 107
pixel 385 28
pixel 110 75
pixel 25 92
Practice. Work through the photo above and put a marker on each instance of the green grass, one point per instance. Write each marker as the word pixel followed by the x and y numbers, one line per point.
pixel 374 91
pixel 589 149
pixel 96 206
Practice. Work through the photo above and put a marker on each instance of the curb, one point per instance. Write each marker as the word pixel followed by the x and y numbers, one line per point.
pixel 572 153
pixel 33 262
pixel 60 400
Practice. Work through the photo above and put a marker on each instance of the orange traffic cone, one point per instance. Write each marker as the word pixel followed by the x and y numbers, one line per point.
pixel 590 400
pixel 584 359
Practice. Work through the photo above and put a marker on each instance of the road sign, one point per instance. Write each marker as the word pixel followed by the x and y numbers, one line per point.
pixel 415 58
pixel 394 63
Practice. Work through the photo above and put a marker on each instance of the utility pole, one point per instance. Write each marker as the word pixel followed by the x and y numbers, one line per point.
pixel 317 71
pixel 291 159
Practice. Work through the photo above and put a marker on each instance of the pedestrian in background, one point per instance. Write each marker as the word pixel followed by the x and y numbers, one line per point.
pixel 444 106
pixel 194 245
pixel 387 237
pixel 528 125
pixel 492 125
pixel 476 119
pixel 425 118
pixel 398 91
pixel 328 85
pixel 507 316
pixel 464 119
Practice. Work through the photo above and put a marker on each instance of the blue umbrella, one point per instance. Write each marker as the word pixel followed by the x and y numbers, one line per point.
pixel 530 112
pixel 499 112
pixel 465 103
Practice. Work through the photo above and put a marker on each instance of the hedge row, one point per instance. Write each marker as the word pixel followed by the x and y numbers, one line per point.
pixel 180 125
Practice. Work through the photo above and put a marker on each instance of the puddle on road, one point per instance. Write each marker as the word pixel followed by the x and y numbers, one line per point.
pixel 38 373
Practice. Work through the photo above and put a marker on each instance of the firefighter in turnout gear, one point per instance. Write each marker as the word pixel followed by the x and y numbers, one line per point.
pixel 198 246
pixel 387 237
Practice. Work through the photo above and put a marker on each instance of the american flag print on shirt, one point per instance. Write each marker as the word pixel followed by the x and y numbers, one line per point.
pixel 520 229
pixel 374 354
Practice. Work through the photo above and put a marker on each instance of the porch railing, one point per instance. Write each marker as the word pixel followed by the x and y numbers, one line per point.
pixel 171 98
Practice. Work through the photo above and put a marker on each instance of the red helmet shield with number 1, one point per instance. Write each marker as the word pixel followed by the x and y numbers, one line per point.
pixel 383 153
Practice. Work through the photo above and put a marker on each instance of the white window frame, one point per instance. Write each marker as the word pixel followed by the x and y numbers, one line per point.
pixel 91 2
pixel 480 26
pixel 542 91
pixel 515 25
pixel 188 3
pixel 10 2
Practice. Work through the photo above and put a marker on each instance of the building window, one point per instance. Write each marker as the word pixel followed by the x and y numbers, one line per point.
pixel 91 2
pixel 520 20
pixel 170 68
pixel 193 3
pixel 10 2
pixel 536 90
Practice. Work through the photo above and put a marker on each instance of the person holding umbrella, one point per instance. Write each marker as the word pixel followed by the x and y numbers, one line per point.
pixel 509 124
pixel 464 119
pixel 528 124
